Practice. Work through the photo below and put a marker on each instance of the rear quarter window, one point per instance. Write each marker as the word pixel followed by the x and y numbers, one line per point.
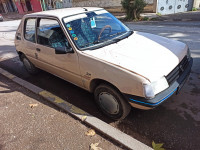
pixel 29 29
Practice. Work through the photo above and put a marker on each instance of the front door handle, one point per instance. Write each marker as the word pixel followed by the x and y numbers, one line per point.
pixel 37 49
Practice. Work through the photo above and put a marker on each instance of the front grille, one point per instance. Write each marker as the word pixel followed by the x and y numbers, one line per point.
pixel 177 71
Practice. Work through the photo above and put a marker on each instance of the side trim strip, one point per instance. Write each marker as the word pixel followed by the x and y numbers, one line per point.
pixel 154 103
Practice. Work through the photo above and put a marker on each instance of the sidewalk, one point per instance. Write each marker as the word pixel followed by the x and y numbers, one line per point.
pixel 27 121
pixel 184 16
pixel 12 16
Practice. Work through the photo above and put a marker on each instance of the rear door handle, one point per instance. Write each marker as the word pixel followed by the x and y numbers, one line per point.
pixel 37 49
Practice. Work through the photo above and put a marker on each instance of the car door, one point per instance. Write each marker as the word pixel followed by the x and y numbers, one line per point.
pixel 29 39
pixel 49 37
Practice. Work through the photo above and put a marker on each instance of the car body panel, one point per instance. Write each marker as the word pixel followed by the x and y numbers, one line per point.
pixel 69 70
pixel 132 52
pixel 164 95
pixel 94 68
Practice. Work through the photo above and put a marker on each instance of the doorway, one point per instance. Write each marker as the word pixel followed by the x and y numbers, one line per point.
pixel 28 5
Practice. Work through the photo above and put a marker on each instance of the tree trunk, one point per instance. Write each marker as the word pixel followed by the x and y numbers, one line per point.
pixel 134 14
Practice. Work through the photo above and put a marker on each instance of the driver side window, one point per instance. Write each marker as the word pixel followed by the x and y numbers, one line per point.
pixel 49 33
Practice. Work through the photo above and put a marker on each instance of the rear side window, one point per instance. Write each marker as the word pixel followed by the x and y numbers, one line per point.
pixel 29 32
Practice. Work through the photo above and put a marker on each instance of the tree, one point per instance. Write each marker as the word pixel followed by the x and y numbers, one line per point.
pixel 133 8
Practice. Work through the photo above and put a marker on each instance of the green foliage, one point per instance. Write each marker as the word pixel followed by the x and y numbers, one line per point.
pixel 133 8
pixel 159 14
pixel 155 19
pixel 145 19
pixel 194 9
pixel 157 146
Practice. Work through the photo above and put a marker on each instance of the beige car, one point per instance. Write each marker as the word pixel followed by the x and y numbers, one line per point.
pixel 90 48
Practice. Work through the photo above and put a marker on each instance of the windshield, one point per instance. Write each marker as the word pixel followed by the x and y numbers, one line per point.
pixel 95 29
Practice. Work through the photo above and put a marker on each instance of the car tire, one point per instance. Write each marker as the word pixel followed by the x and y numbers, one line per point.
pixel 111 102
pixel 30 68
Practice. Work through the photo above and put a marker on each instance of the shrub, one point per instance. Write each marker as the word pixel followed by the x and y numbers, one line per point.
pixel 159 14
pixel 194 9
pixel 133 8
pixel 145 19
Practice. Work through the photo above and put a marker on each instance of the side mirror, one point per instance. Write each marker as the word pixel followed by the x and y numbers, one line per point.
pixel 63 50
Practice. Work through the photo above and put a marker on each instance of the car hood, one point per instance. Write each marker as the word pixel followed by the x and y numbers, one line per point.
pixel 146 54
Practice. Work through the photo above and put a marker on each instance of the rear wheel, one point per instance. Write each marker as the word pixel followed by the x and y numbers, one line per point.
pixel 28 65
pixel 111 102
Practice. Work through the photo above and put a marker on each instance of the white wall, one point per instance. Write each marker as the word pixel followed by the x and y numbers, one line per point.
pixel 173 6
pixel 149 1
pixel 196 4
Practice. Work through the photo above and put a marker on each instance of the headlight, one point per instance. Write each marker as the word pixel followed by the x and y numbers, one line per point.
pixel 150 90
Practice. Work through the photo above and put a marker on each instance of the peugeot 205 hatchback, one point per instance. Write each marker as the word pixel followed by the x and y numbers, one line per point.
pixel 90 48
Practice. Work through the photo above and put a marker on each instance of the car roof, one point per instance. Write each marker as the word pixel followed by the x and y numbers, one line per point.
pixel 60 13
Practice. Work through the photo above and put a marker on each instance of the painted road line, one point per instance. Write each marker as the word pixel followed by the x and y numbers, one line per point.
pixel 92 121
pixel 64 104
pixel 7 74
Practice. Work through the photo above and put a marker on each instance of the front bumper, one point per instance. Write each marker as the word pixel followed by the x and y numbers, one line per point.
pixel 175 87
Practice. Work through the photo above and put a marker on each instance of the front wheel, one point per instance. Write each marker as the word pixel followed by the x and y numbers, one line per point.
pixel 111 102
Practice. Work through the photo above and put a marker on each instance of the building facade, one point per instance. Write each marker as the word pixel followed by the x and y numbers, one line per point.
pixel 55 4
pixel 20 6
pixel 7 6
pixel 25 6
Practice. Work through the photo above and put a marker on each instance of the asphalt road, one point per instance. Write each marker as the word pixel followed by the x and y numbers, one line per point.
pixel 176 123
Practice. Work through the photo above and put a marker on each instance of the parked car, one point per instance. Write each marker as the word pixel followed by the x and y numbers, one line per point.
pixel 90 48
pixel 1 17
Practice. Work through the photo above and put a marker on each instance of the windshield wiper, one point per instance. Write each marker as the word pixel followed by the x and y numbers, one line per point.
pixel 119 39
pixel 95 42
pixel 115 40
pixel 118 33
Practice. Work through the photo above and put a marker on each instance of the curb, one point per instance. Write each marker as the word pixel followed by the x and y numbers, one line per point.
pixel 92 121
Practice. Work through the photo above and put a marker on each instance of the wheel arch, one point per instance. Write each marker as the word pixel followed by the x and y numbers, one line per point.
pixel 20 55
pixel 96 82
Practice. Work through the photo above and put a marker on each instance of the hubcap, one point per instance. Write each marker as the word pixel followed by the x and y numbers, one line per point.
pixel 109 103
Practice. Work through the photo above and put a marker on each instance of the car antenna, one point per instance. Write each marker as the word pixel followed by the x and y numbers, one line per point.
pixel 85 9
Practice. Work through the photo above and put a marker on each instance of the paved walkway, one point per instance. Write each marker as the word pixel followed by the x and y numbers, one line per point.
pixel 29 122
pixel 185 16
pixel 12 16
